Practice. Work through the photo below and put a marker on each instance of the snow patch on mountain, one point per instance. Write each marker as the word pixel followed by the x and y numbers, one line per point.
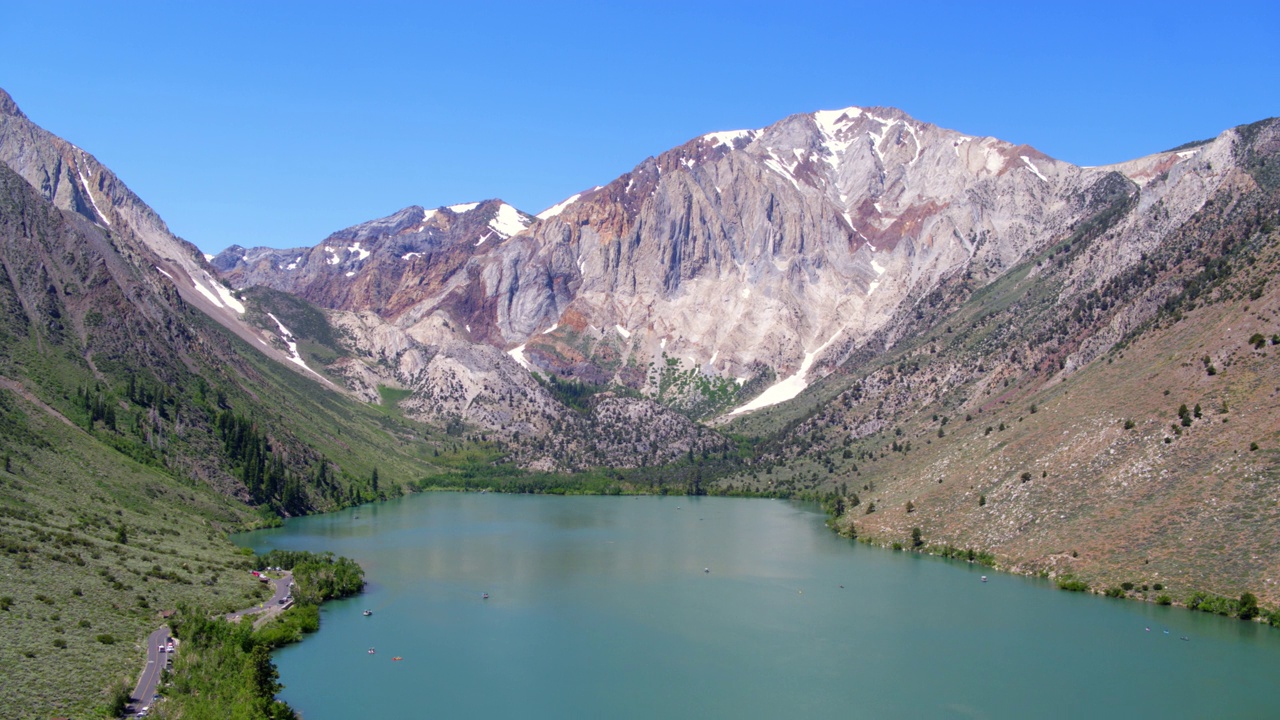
pixel 559 207
pixel 426 215
pixel 831 122
pixel 911 129
pixel 85 183
pixel 226 295
pixel 836 134
pixel 788 387
pixel 508 221
pixel 464 207
pixel 220 296
pixel 287 337
pixel 728 137
pixel 517 354
pixel 776 164
pixel 1033 168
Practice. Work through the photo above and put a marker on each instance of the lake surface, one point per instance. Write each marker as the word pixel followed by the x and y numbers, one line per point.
pixel 602 607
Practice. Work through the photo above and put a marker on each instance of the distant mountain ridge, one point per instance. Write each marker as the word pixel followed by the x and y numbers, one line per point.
pixel 388 264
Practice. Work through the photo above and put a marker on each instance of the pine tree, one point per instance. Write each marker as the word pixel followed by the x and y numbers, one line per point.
pixel 265 677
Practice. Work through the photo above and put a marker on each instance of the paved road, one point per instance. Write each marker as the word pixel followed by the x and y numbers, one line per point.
pixel 156 663
pixel 281 591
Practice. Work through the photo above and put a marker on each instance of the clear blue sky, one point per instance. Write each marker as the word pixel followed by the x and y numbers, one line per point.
pixel 274 123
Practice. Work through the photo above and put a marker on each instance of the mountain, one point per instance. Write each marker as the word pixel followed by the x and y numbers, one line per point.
pixel 730 272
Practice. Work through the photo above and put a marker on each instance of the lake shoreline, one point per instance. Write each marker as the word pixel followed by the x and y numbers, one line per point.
pixel 1065 582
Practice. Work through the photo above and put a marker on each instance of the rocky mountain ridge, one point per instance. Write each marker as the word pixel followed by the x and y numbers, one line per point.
pixel 729 273
pixel 73 180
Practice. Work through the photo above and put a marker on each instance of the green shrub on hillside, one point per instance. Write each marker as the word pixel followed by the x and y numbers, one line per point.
pixel 1071 584
pixel 1210 603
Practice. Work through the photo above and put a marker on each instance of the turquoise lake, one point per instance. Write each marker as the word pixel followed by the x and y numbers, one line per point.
pixel 680 607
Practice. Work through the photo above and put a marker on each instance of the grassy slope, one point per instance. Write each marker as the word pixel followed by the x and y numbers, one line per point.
pixel 1102 502
pixel 355 436
pixel 66 481
pixel 69 579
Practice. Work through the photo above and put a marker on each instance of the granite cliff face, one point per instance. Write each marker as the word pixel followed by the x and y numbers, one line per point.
pixel 764 252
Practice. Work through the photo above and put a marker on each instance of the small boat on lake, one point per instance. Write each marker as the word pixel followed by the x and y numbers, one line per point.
pixel 485 596
pixel 367 613
pixel 984 578
pixel 372 651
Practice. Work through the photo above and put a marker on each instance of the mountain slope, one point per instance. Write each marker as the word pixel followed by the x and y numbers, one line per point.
pixel 145 412
pixel 1106 410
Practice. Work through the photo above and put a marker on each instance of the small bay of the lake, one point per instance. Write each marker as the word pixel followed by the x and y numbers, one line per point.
pixel 681 607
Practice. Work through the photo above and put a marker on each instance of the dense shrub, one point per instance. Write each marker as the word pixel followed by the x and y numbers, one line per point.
pixel 317 576
pixel 1069 583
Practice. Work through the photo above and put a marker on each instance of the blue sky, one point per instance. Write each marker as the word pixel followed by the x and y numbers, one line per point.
pixel 278 123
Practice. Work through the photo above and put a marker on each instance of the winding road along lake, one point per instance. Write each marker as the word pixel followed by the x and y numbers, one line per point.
pixel 603 607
